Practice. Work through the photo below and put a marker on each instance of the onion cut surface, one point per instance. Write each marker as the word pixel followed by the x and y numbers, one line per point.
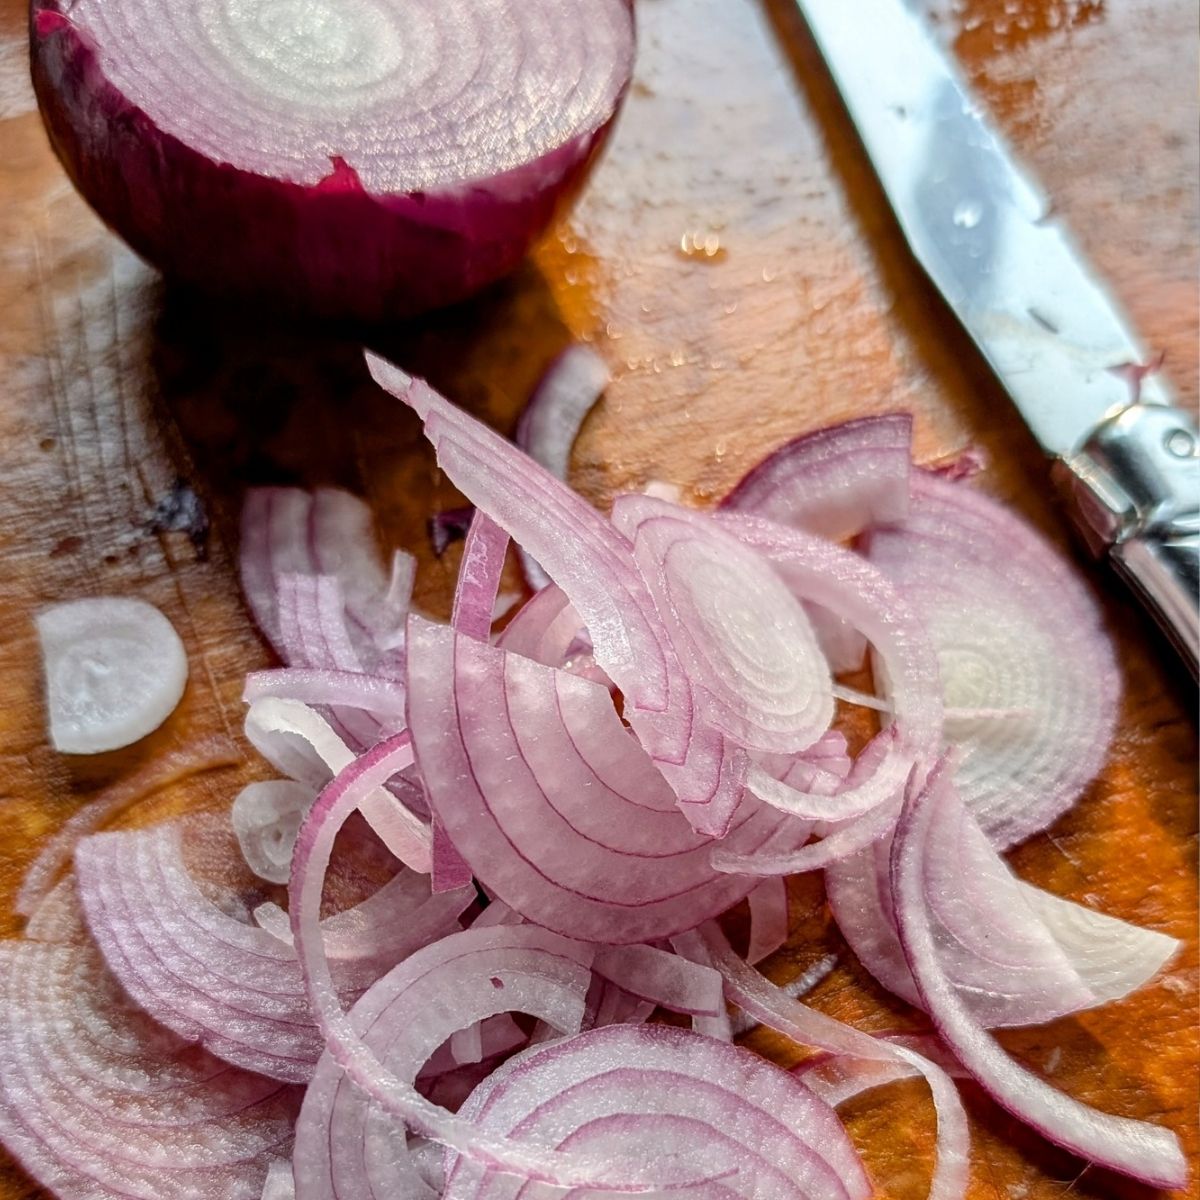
pixel 115 670
pixel 1015 630
pixel 658 1095
pixel 361 161
pixel 211 978
pixel 98 1100
pixel 552 802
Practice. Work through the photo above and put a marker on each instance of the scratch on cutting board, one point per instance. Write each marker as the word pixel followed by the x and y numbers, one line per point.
pixel 16 90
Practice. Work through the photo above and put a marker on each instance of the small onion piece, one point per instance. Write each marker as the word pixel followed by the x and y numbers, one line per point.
pixel 115 670
pixel 1141 1150
pixel 660 1096
pixel 98 1100
pixel 289 533
pixel 1014 629
pixel 266 818
pixel 364 161
pixel 835 482
pixel 554 805
pixel 768 919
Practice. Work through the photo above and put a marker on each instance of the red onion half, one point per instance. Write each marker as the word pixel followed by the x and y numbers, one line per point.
pixel 354 160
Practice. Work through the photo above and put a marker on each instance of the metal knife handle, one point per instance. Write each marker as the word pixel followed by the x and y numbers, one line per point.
pixel 1133 489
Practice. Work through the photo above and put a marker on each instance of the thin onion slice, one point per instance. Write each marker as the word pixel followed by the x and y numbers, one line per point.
pixel 1014 629
pixel 826 574
pixel 551 420
pixel 749 651
pixel 660 1096
pixel 593 564
pixel 834 482
pixel 302 745
pixel 768 919
pixel 212 978
pixel 1016 955
pixel 115 670
pixel 287 532
pixel 98 1100
pixel 357 162
pixel 347 1146
pixel 554 804
pixel 1136 1148
pixel 763 1001
pixel 345 1044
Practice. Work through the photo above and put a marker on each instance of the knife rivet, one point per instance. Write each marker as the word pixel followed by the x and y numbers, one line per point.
pixel 1181 444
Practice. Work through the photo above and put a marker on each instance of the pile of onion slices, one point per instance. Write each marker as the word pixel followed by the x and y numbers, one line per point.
pixel 506 851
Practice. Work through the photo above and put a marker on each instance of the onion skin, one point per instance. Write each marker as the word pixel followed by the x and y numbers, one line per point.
pixel 332 250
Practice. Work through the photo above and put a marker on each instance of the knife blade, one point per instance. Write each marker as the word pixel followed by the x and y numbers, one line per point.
pixel 1125 458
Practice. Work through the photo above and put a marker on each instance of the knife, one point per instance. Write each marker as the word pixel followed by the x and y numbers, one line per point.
pixel 1124 456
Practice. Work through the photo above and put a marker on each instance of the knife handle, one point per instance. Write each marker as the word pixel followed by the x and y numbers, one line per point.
pixel 1133 490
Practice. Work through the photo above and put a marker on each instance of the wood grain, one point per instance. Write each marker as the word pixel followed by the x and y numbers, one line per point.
pixel 807 311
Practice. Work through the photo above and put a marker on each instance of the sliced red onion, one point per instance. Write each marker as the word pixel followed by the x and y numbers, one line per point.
pixel 906 667
pixel 345 1042
pixel 288 532
pixel 756 671
pixel 843 646
pixel 593 564
pixel 554 804
pixel 763 1001
pixel 266 817
pixel 279 1183
pixel 1014 629
pixel 551 421
pixel 479 577
pixel 1015 954
pixel 344 1144
pixel 768 919
pixel 378 696
pixel 1136 1148
pixel 98 1100
pixel 115 670
pixel 664 978
pixel 835 482
pixel 839 1078
pixel 298 742
pixel 212 978
pixel 1112 957
pixel 361 162
pixel 660 1096
pixel 171 768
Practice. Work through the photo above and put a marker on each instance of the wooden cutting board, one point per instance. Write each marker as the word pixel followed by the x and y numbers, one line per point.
pixel 733 261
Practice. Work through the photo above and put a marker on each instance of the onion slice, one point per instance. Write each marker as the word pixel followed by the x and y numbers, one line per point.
pixel 1015 629
pixel 98 1100
pixel 1016 955
pixel 551 420
pixel 763 1001
pixel 554 805
pixel 358 162
pixel 343 1143
pixel 115 670
pixel 662 1096
pixel 834 482
pixel 266 818
pixel 214 979
pixel 1135 1148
